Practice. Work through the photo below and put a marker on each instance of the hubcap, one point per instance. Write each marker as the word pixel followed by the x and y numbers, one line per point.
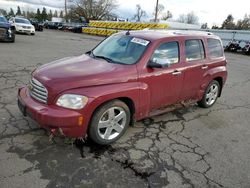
pixel 212 94
pixel 112 123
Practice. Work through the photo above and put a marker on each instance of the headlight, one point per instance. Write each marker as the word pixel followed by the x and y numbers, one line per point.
pixel 72 101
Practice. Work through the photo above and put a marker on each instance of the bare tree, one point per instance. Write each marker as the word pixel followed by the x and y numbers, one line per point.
pixel 192 18
pixel 182 18
pixel 93 9
pixel 167 15
pixel 139 13
pixel 189 18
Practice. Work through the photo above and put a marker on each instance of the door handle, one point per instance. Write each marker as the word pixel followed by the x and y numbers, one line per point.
pixel 176 72
pixel 204 67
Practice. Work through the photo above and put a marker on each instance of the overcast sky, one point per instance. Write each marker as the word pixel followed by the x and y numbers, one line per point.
pixel 210 11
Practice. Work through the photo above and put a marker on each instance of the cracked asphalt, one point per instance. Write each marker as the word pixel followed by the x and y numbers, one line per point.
pixel 189 147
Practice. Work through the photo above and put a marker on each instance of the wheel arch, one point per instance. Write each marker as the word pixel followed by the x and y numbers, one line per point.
pixel 220 80
pixel 128 101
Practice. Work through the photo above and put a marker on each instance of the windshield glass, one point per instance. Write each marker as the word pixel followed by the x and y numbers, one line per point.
pixel 3 19
pixel 123 49
pixel 18 20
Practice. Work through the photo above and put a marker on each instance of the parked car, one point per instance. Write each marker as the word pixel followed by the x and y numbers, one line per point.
pixel 53 25
pixel 129 76
pixel 6 30
pixel 38 26
pixel 22 25
pixel 246 49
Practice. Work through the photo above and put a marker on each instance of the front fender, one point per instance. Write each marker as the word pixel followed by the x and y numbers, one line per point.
pixel 98 95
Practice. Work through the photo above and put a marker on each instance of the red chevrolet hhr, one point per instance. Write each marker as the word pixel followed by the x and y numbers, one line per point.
pixel 127 77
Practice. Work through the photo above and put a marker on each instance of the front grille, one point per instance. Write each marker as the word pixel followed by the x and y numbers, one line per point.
pixel 38 91
pixel 26 27
pixel 2 31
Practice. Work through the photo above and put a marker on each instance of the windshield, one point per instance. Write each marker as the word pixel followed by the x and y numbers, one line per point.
pixel 3 19
pixel 123 49
pixel 18 20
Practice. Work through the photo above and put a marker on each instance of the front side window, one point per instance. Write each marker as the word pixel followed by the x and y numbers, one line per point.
pixel 194 50
pixel 214 48
pixel 122 49
pixel 167 51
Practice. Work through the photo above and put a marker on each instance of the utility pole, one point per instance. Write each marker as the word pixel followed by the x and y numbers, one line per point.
pixel 156 10
pixel 65 5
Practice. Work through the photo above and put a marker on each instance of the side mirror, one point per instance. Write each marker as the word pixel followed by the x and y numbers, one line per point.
pixel 159 63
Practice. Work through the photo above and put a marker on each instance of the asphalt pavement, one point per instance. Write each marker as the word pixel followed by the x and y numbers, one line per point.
pixel 189 147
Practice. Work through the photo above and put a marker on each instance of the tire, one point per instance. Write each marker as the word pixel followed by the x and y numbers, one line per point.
pixel 13 39
pixel 32 33
pixel 109 122
pixel 210 95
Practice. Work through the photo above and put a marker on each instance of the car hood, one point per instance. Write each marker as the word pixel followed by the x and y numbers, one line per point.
pixel 82 71
pixel 4 25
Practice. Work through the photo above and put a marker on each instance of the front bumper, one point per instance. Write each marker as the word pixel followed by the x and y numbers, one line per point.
pixel 22 30
pixel 6 36
pixel 69 122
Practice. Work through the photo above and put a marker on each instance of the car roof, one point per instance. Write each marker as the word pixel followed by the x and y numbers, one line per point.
pixel 150 34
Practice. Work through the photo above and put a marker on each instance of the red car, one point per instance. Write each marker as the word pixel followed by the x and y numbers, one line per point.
pixel 127 77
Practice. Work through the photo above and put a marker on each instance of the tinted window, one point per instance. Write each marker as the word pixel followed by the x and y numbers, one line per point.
pixel 194 50
pixel 214 48
pixel 2 19
pixel 168 51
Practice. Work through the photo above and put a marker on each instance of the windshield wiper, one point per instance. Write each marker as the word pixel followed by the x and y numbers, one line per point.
pixel 105 58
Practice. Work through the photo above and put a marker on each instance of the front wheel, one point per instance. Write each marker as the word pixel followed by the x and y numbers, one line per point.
pixel 109 122
pixel 211 94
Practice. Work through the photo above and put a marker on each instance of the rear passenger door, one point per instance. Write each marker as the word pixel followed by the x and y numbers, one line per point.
pixel 195 67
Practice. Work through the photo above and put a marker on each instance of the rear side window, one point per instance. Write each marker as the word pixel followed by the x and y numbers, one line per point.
pixel 214 48
pixel 194 50
pixel 168 51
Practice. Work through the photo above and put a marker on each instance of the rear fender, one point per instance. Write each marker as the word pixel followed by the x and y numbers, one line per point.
pixel 211 74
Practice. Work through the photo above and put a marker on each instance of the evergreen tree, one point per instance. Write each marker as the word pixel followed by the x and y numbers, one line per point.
pixel 228 23
pixel 24 13
pixel 38 15
pixel 44 14
pixel 55 14
pixel 61 14
pixel 50 15
pixel 3 12
pixel 244 24
pixel 19 13
pixel 11 13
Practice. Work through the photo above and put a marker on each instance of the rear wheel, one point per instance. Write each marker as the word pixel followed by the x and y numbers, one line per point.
pixel 211 94
pixel 109 122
